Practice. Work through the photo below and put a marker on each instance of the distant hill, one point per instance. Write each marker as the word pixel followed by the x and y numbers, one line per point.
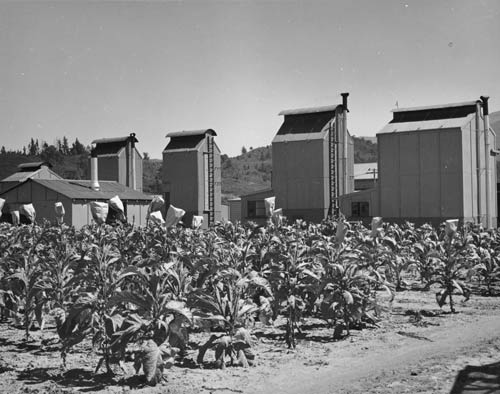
pixel 247 172
pixel 365 149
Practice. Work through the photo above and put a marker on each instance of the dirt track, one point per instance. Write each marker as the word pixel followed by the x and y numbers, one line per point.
pixel 406 354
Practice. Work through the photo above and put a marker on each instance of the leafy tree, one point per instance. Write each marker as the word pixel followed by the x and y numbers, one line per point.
pixel 77 148
pixel 243 150
pixel 3 151
pixel 65 146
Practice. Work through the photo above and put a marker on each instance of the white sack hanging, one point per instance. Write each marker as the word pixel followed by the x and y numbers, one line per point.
pixel 156 218
pixel 376 225
pixel 15 217
pixel 116 204
pixel 174 215
pixel 28 210
pixel 340 232
pixel 277 216
pixel 197 221
pixel 60 212
pixel 270 203
pixel 451 227
pixel 2 203
pixel 156 204
pixel 99 211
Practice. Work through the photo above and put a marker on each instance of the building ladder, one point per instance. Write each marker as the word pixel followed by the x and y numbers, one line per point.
pixel 211 180
pixel 333 209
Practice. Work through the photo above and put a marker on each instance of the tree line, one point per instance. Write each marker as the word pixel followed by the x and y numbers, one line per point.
pixel 53 152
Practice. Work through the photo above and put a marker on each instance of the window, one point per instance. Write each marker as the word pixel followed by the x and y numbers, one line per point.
pixel 256 209
pixel 360 209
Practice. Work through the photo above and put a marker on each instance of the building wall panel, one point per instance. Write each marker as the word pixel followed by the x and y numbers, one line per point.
pixel 299 178
pixel 107 169
pixel 180 179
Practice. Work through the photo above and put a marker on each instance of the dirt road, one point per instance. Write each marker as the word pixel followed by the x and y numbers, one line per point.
pixel 416 349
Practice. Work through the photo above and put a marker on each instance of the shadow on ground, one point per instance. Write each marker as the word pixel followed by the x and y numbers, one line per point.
pixel 84 380
pixel 483 379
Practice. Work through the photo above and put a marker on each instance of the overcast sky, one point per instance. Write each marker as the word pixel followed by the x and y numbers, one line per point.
pixel 93 70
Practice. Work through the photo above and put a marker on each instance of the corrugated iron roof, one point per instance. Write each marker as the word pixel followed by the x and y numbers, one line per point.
pixel 189 133
pixel 115 139
pixel 267 192
pixel 449 123
pixel 110 146
pixel 187 140
pixel 437 112
pixel 81 190
pixel 365 170
pixel 306 123
pixel 439 106
pixel 20 176
pixel 311 110
pixel 34 165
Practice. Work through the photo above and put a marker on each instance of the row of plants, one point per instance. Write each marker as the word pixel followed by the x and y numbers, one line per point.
pixel 137 293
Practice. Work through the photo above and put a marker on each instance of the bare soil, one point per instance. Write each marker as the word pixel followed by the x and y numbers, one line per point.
pixel 417 348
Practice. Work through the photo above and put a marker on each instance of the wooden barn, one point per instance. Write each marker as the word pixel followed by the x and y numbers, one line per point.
pixel 75 196
pixel 37 170
pixel 119 160
pixel 191 174
pixel 434 163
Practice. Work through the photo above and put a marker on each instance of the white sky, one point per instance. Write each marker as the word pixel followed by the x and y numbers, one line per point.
pixel 92 70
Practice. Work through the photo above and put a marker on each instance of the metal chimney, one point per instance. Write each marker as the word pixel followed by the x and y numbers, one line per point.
pixel 132 172
pixel 94 177
pixel 487 156
pixel 478 161
pixel 345 142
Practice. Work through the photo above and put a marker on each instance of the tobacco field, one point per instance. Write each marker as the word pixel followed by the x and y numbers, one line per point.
pixel 279 308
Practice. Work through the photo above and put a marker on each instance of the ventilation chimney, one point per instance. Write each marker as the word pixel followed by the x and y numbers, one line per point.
pixel 131 152
pixel 94 182
pixel 478 160
pixel 487 156
pixel 346 141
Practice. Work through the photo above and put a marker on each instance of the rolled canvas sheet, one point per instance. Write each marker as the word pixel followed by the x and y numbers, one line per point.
pixel 59 208
pixel 277 216
pixel 2 203
pixel 270 203
pixel 99 211
pixel 15 217
pixel 116 204
pixel 376 225
pixel 197 221
pixel 174 216
pixel 156 218
pixel 157 204
pixel 451 227
pixel 28 210
pixel 341 232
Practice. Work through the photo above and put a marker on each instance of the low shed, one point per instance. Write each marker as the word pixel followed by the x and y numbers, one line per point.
pixel 75 196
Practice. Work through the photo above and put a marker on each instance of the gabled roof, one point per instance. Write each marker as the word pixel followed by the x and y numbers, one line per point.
pixel 445 116
pixel 108 146
pixel 188 133
pixel 22 176
pixel 81 190
pixel 311 110
pixel 306 120
pixel 434 112
pixel 452 123
pixel 33 166
pixel 187 140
